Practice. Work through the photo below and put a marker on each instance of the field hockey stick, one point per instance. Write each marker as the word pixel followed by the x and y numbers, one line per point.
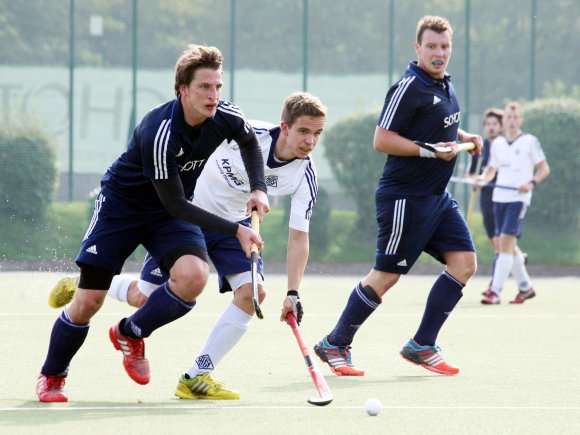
pixel 474 183
pixel 255 259
pixel 464 146
pixel 319 381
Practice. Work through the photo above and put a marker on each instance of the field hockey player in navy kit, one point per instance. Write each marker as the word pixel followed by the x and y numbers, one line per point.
pixel 144 200
pixel 415 212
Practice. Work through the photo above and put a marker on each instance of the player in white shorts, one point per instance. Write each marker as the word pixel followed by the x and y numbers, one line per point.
pixel 223 189
pixel 519 161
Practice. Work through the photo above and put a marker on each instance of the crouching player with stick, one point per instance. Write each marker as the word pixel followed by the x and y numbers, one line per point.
pixel 415 212
pixel 224 190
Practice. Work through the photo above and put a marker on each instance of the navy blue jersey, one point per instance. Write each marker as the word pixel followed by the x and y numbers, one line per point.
pixel 163 146
pixel 485 152
pixel 419 107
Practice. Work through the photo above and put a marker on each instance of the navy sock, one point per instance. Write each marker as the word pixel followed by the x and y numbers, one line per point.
pixel 361 304
pixel 444 295
pixel 66 339
pixel 162 307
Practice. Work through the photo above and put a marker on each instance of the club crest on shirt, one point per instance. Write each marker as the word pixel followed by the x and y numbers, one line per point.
pixel 272 181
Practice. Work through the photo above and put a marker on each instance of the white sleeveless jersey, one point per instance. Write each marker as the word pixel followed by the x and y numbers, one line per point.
pixel 223 187
pixel 515 165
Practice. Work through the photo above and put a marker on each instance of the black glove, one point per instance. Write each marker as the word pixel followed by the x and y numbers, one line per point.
pixel 292 295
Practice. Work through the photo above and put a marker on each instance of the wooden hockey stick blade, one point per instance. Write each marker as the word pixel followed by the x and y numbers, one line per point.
pixel 254 259
pixel 464 146
pixel 317 378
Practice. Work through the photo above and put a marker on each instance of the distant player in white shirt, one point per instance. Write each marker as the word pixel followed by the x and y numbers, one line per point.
pixel 519 161
pixel 223 189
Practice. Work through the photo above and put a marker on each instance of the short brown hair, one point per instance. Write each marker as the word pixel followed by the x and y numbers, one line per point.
pixel 495 113
pixel 301 104
pixel 193 58
pixel 434 23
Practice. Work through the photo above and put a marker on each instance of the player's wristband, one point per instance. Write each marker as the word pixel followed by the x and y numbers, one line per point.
pixel 427 154
pixel 292 293
pixel 534 182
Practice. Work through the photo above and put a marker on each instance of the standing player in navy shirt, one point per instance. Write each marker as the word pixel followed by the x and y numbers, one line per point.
pixel 415 212
pixel 143 200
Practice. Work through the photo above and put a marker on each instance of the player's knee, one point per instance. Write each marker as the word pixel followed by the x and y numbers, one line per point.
pixel 470 266
pixel 189 286
pixel 243 295
pixel 85 305
pixel 380 282
pixel 243 298
pixel 261 294
pixel 188 283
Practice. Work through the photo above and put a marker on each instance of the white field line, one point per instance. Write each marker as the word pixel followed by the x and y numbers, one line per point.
pixel 64 408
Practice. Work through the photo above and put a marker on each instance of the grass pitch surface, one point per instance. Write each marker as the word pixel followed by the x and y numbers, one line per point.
pixel 520 371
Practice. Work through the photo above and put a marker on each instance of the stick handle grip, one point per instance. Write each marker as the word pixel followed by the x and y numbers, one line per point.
pixel 465 146
pixel 255 227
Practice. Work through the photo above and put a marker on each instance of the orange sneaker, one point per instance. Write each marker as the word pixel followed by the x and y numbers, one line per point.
pixel 134 361
pixel 50 388
pixel 427 357
pixel 338 358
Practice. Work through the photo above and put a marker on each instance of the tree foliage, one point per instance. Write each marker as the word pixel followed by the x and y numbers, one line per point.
pixel 556 202
pixel 28 168
pixel 356 165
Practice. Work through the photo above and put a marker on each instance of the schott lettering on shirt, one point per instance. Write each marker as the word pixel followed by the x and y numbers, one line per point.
pixel 191 165
pixel 452 119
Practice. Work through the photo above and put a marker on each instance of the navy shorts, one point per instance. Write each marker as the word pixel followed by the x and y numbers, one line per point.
pixel 116 229
pixel 225 253
pixel 509 217
pixel 409 226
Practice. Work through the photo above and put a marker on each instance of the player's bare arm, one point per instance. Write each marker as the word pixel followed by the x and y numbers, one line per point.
pixel 297 257
pixel 542 172
pixel 486 176
pixel 390 142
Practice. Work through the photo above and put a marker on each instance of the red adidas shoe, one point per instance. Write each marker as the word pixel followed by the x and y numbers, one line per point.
pixel 50 388
pixel 523 296
pixel 491 299
pixel 134 361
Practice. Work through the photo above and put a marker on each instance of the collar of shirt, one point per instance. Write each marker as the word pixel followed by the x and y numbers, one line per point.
pixel 178 123
pixel 426 78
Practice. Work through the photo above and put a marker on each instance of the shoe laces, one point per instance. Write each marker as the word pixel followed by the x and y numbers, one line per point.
pixel 137 348
pixel 345 352
pixel 54 382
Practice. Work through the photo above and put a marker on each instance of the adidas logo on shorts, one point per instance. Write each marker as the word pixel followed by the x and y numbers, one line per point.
pixel 156 272
pixel 92 249
pixel 402 263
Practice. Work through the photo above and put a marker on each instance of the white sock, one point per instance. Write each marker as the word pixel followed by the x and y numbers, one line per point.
pixel 520 273
pixel 227 331
pixel 120 287
pixel 503 267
